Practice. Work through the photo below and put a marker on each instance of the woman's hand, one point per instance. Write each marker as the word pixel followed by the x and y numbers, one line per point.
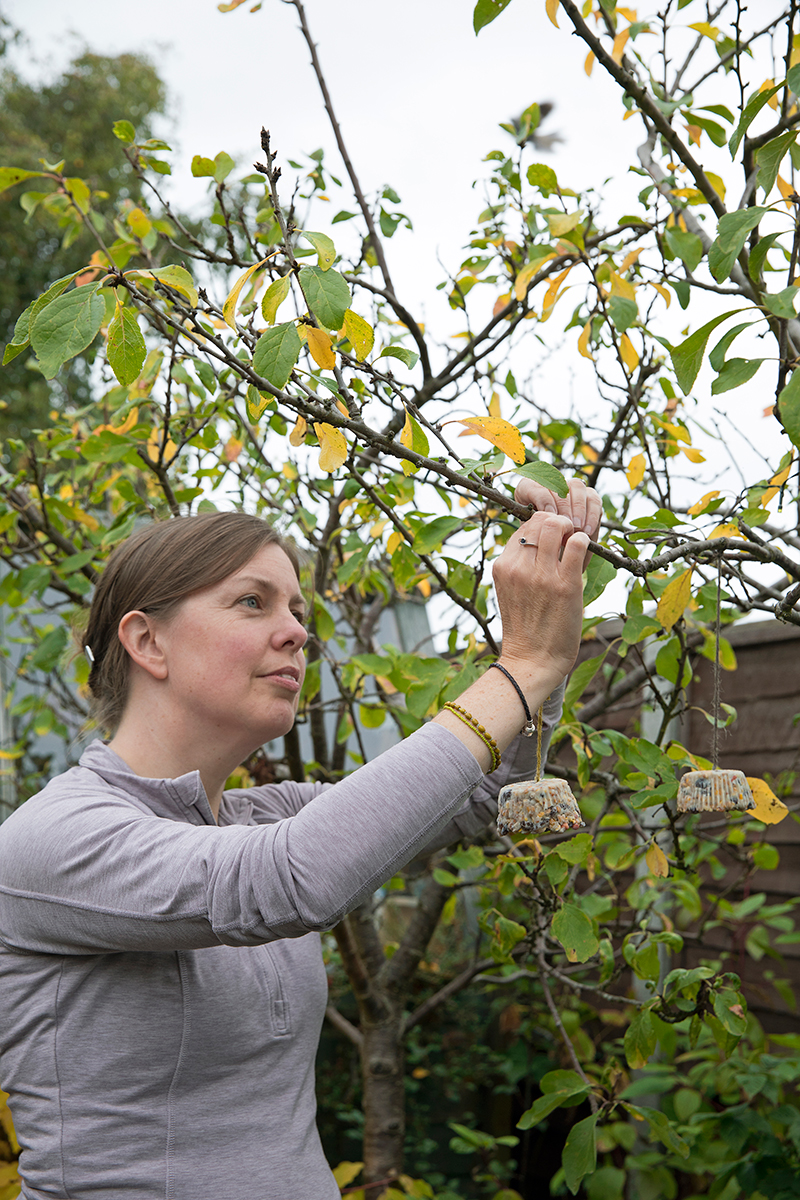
pixel 582 506
pixel 539 585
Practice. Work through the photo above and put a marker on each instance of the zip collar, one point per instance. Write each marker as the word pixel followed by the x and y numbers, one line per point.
pixel 182 798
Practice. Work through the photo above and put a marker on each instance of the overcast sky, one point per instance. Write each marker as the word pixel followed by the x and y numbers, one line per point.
pixel 420 99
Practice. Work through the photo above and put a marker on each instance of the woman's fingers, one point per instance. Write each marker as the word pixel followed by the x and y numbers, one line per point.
pixel 581 505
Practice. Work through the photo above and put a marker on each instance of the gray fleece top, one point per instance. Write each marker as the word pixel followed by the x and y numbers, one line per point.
pixel 161 981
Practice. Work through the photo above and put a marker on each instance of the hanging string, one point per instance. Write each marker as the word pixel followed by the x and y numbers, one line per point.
pixel 539 723
pixel 715 743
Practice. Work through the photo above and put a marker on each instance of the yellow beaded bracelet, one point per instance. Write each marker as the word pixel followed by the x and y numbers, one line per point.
pixel 477 728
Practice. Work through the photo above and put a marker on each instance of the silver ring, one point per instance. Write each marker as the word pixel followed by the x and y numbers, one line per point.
pixel 524 542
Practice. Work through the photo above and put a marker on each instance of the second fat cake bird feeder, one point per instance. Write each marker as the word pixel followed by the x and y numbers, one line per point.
pixel 717 790
pixel 537 805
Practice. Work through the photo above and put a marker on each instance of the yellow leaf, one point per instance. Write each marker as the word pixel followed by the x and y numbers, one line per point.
pixel 359 333
pixel 726 530
pixel 229 307
pixel 717 183
pixel 333 447
pixel 346 1172
pixel 786 190
pixel 393 541
pixel 767 808
pixel 628 13
pixel 656 861
pixel 701 504
pixel 628 353
pixel 299 432
pixel 233 448
pixel 378 527
pixel 707 30
pixel 494 405
pixel 523 279
pixel 618 49
pixel 776 483
pixel 342 407
pixel 635 471
pixel 675 599
pixel 139 222
pixel 552 294
pixel 500 433
pixel 320 347
pixel 589 452
pixel 289 471
pixel 663 293
pixel 765 87
pixel 561 223
pixel 588 65
pixel 632 256
pixel 551 8
pixel 424 587
pixel 693 454
pixel 621 287
pixel 583 341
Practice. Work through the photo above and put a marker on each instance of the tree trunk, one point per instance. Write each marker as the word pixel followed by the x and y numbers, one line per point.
pixel 384 1100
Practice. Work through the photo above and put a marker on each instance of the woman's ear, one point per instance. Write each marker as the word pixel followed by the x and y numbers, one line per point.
pixel 138 634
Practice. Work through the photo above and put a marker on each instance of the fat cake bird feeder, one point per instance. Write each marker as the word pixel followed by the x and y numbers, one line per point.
pixel 717 790
pixel 538 805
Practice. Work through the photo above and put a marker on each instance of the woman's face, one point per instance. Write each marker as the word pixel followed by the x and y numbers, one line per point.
pixel 234 653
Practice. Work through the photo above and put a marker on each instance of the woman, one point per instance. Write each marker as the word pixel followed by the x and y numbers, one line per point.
pixel 160 970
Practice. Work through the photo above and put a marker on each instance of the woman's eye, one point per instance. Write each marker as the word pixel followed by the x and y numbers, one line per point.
pixel 249 601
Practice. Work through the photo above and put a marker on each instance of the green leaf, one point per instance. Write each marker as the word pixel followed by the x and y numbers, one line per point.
pixel 274 297
pixel 579 1158
pixel 409 357
pixel 12 350
pixel 717 356
pixel 574 930
pixel 126 350
pixel 11 175
pixel 21 333
pixel 623 312
pixel 789 408
pixel 758 255
pixel 326 251
pixel 599 574
pixel 431 535
pixel 638 627
pixel 545 474
pixel 688 357
pixel 50 649
pixel 66 327
pixel 687 246
pixel 769 158
pixel 327 295
pixel 717 134
pixel 575 849
pixel 486 11
pixel 751 110
pixel 734 373
pixel 732 234
pixel 223 165
pixel 542 1107
pixel 276 352
pixel 580 679
pixel 782 303
pixel 202 166
pixel 661 1128
pixel 542 177
pixel 640 1039
pixel 124 131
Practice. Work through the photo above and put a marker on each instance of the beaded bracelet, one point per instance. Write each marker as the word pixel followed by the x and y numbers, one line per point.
pixel 478 729
pixel 530 727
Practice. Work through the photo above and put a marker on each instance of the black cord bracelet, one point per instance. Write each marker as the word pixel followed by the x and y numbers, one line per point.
pixel 530 727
